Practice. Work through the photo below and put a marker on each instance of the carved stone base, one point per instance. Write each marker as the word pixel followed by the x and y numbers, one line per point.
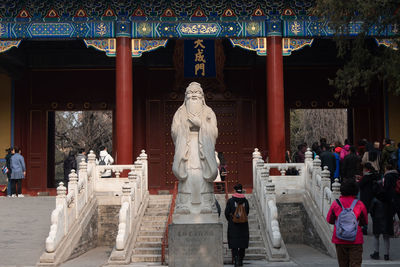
pixel 195 244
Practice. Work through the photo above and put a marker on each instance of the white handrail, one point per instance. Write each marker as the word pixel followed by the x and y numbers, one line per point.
pixel 82 188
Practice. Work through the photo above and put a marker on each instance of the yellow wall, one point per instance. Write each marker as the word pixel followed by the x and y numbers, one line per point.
pixel 394 118
pixel 5 114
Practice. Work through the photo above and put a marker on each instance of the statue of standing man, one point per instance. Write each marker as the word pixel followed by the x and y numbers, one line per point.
pixel 194 132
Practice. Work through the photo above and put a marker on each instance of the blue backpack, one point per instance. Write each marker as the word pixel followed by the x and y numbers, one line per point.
pixel 347 223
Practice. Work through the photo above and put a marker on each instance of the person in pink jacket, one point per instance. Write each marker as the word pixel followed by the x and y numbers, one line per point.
pixel 349 253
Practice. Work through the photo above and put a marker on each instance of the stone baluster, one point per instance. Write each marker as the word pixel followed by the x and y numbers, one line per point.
pixel 117 173
pixel 269 195
pixel 132 177
pixel 83 175
pixel 126 197
pixel 264 173
pixel 256 158
pixel 73 189
pixel 139 172
pixel 61 200
pixel 335 190
pixel 91 167
pixel 316 171
pixel 325 182
pixel 282 170
pixel 143 157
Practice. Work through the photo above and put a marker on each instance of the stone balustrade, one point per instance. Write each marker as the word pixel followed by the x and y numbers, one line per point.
pixel 134 192
pixel 310 178
pixel 82 189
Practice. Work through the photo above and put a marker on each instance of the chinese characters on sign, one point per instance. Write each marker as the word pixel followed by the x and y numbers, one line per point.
pixel 199 58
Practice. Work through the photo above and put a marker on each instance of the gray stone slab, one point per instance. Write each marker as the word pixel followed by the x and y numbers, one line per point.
pixel 195 245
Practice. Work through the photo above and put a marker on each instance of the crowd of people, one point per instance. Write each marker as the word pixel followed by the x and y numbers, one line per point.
pixel 370 184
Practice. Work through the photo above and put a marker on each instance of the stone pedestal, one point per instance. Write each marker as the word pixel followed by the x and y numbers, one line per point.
pixel 195 241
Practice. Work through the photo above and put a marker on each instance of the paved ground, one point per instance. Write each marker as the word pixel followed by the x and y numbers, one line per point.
pixel 24 226
pixel 25 223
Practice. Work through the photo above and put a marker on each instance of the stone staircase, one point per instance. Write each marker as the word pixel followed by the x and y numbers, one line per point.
pixel 256 250
pixel 148 242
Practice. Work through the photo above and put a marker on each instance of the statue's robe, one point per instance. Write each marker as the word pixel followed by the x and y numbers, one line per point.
pixel 187 156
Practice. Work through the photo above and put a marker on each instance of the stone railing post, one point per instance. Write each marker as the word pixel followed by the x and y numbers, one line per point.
pixel 132 177
pixel 82 174
pixel 73 189
pixel 256 158
pixel 91 172
pixel 139 181
pixel 126 197
pixel 259 167
pixel 315 172
pixel 325 182
pixel 143 157
pixel 308 168
pixel 264 173
pixel 335 190
pixel 61 200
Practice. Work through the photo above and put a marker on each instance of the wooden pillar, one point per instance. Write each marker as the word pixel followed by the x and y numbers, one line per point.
pixel 123 107
pixel 275 100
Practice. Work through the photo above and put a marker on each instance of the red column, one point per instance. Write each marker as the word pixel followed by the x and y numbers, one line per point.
pixel 275 100
pixel 123 101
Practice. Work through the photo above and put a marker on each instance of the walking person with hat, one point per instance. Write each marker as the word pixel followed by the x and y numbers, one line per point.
pixel 236 212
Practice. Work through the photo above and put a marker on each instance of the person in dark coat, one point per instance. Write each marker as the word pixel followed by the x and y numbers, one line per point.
pixel 351 164
pixel 382 211
pixel 328 159
pixel 238 233
pixel 10 153
pixel 365 183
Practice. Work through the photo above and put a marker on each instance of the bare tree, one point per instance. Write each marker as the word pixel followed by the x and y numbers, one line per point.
pixel 81 129
pixel 309 125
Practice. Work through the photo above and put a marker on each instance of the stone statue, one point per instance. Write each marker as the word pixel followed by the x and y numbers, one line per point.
pixel 194 132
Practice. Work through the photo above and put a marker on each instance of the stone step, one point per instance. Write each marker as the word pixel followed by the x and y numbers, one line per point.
pixel 149 239
pixel 254 256
pixel 148 245
pixel 156 213
pixel 147 227
pixel 256 250
pixel 147 251
pixel 146 258
pixel 256 244
pixel 158 205
pixel 151 233
pixel 155 223
pixel 255 238
pixel 154 219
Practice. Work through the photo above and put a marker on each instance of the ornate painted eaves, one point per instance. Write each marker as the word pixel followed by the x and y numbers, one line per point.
pixel 260 45
pixel 8 44
pixel 139 46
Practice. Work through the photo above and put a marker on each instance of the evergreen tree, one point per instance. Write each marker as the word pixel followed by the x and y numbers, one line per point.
pixel 365 64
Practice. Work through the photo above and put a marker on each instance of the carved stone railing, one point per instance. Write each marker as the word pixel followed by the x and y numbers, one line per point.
pixel 71 207
pixel 264 192
pixel 134 191
pixel 310 179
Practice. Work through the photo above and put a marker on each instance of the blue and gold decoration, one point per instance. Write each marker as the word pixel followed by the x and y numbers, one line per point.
pixel 8 44
pixel 139 46
pixel 259 45
pixel 159 19
pixel 199 58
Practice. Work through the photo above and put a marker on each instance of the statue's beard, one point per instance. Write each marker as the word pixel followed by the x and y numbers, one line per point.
pixel 194 107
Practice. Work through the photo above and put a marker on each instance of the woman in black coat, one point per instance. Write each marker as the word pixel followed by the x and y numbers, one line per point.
pixel 382 211
pixel 238 233
pixel 366 184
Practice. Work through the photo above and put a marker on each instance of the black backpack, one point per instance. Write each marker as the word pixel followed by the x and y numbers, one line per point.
pixel 102 161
